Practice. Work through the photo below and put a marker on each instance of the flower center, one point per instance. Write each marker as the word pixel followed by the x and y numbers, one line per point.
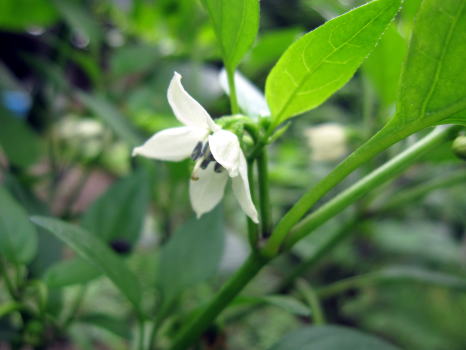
pixel 202 156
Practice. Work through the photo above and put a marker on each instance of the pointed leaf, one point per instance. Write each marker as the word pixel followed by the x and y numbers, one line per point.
pixel 192 255
pixel 70 272
pixel 322 61
pixel 94 251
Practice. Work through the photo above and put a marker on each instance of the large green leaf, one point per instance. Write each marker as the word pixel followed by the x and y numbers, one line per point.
pixel 18 237
pixel 433 83
pixel 330 338
pixel 23 14
pixel 236 23
pixel 119 213
pixel 192 255
pixel 322 61
pixel 94 251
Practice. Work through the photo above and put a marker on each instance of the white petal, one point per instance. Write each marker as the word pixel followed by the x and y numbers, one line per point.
pixel 171 144
pixel 187 110
pixel 226 150
pixel 241 190
pixel 206 192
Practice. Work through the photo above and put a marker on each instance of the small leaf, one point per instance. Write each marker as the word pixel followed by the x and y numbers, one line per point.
pixel 322 61
pixel 192 255
pixel 18 237
pixel 70 272
pixel 250 98
pixel 119 213
pixel 236 23
pixel 432 85
pixel 94 251
pixel 284 302
pixel 330 338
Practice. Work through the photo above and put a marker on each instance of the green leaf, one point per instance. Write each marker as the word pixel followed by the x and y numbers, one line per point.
pixel 23 14
pixel 20 144
pixel 322 61
pixel 18 237
pixel 192 255
pixel 284 302
pixel 389 54
pixel 330 338
pixel 236 23
pixel 123 61
pixel 119 213
pixel 109 114
pixel 70 272
pixel 94 251
pixel 432 85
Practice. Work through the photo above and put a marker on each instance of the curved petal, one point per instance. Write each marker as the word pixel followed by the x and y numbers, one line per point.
pixel 171 144
pixel 187 110
pixel 241 190
pixel 206 192
pixel 226 150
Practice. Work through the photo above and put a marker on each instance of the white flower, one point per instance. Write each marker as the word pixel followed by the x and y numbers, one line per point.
pixel 216 152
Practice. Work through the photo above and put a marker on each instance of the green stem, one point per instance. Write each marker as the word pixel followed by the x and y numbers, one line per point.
pixel 378 143
pixel 193 329
pixel 141 334
pixel 264 197
pixel 253 233
pixel 232 87
pixel 9 285
pixel 417 192
pixel 370 182
pixel 313 300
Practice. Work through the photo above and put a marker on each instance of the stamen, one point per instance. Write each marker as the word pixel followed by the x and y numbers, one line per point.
pixel 205 149
pixel 218 168
pixel 197 151
pixel 207 159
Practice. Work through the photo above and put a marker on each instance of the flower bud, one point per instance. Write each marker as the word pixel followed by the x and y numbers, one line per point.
pixel 459 147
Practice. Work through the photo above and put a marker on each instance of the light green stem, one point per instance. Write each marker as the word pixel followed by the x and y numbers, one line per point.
pixel 264 197
pixel 232 87
pixel 313 300
pixel 370 182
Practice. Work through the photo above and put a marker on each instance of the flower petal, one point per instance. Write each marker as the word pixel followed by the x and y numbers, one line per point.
pixel 187 110
pixel 206 192
pixel 241 190
pixel 171 144
pixel 226 150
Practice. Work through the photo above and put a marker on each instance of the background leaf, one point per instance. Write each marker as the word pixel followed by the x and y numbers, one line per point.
pixel 236 23
pixel 434 76
pixel 119 213
pixel 95 252
pixel 284 302
pixel 192 255
pixel 18 237
pixel 330 338
pixel 70 272
pixel 322 61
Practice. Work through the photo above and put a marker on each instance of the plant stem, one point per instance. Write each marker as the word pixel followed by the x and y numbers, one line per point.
pixel 253 234
pixel 141 334
pixel 193 329
pixel 232 87
pixel 8 283
pixel 264 197
pixel 313 300
pixel 378 143
pixel 370 182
